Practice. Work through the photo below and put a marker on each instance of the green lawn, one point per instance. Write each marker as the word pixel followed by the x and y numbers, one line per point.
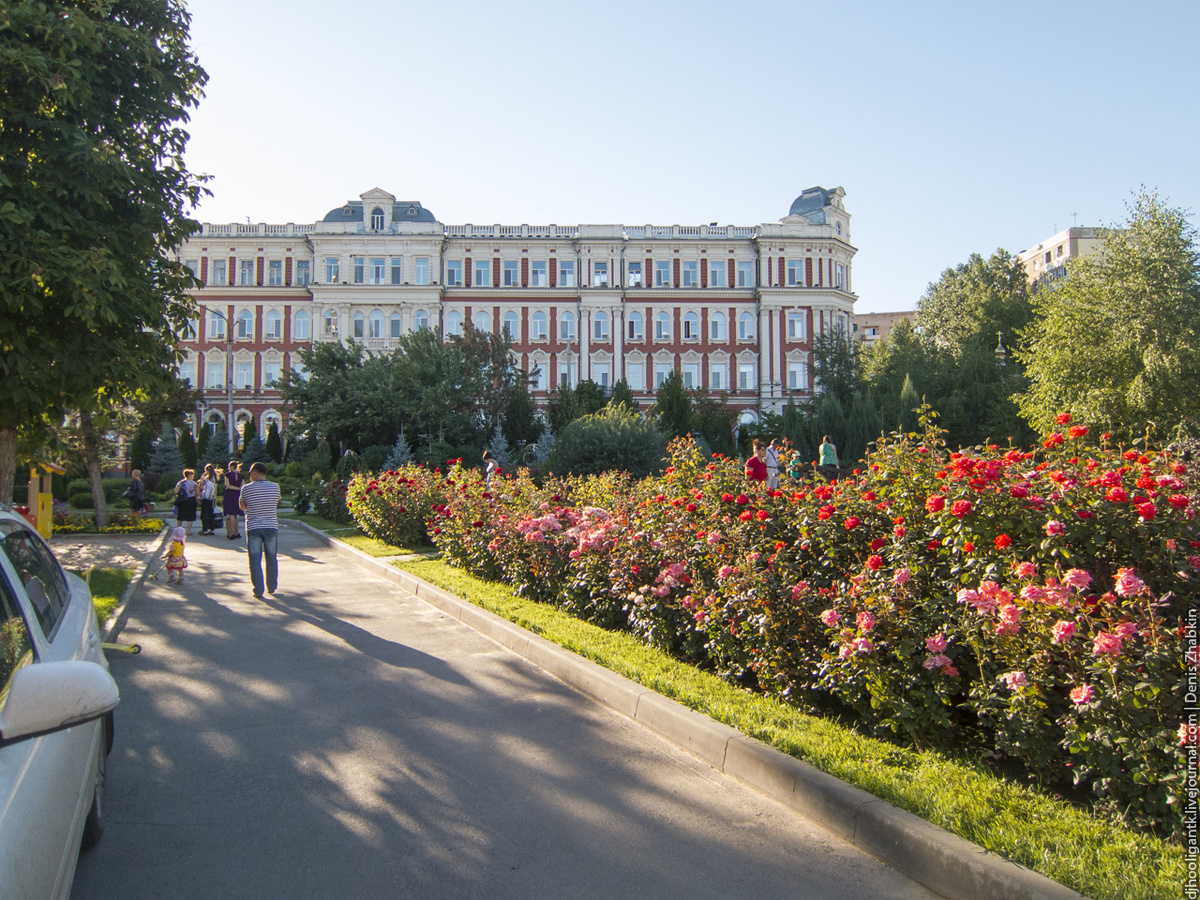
pixel 107 587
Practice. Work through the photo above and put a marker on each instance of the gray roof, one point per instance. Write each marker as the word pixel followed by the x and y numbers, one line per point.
pixel 811 204
pixel 402 211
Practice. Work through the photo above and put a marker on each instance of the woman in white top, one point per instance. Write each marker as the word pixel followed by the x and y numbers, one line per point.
pixel 207 489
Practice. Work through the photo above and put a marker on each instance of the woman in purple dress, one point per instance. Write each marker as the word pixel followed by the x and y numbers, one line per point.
pixel 229 502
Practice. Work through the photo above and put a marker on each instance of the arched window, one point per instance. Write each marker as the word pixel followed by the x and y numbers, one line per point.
pixel 512 324
pixel 376 324
pixel 600 326
pixel 662 327
pixel 537 326
pixel 566 327
pixel 745 327
pixel 633 326
pixel 274 323
pixel 716 327
pixel 303 329
pixel 691 327
pixel 394 325
pixel 245 325
pixel 420 319
pixel 482 321
pixel 454 322
pixel 360 325
pixel 377 219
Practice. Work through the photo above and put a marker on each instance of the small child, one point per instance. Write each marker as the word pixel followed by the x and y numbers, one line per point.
pixel 176 561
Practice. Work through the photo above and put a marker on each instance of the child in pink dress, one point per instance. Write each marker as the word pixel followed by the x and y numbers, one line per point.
pixel 176 561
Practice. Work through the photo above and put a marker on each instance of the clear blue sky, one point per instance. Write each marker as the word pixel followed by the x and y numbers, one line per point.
pixel 954 127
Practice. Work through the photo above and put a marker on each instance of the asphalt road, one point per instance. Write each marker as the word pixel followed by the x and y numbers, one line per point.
pixel 344 739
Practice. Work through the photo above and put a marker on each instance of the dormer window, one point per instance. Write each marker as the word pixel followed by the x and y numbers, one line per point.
pixel 377 219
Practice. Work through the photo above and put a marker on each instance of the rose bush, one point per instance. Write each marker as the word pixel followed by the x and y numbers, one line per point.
pixel 1022 602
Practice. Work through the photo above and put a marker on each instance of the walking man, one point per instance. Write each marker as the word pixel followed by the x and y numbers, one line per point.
pixel 258 500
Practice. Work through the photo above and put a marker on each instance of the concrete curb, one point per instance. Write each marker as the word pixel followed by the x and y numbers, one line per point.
pixel 117 618
pixel 931 856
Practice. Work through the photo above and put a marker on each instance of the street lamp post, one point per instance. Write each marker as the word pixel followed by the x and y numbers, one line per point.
pixel 228 378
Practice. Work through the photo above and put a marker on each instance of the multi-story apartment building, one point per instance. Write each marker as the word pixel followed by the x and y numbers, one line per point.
pixel 1047 261
pixel 733 309
pixel 871 327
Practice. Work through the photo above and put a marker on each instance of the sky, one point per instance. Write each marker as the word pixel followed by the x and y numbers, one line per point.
pixel 954 127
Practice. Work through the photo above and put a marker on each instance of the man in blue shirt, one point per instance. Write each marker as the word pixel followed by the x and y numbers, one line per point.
pixel 258 500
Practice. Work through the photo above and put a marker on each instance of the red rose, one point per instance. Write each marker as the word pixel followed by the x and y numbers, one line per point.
pixel 1002 541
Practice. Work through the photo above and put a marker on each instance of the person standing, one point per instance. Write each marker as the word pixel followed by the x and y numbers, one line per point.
pixel 491 467
pixel 137 494
pixel 772 461
pixel 259 500
pixel 208 497
pixel 828 461
pixel 185 500
pixel 756 465
pixel 231 509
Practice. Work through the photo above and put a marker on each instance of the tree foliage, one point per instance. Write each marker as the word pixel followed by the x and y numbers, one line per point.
pixel 614 439
pixel 673 407
pixel 93 194
pixel 1117 342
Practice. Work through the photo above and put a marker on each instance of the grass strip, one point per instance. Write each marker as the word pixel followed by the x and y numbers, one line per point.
pixel 1087 853
pixel 107 587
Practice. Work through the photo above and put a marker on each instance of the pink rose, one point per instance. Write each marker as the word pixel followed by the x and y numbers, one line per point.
pixel 862 645
pixel 938 661
pixel 1085 693
pixel 937 644
pixel 901 577
pixel 1078 579
pixel 725 571
pixel 865 621
pixel 1014 680
pixel 1064 631
pixel 1105 643
pixel 1054 527
pixel 1025 570
pixel 831 617
pixel 1128 584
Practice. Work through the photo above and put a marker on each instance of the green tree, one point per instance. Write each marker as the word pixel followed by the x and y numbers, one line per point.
pixel 614 439
pixel 673 407
pixel 836 365
pixel 1117 342
pixel 566 403
pixel 975 301
pixel 521 425
pixel 165 461
pixel 274 446
pixel 217 448
pixel 622 393
pixel 140 448
pixel 93 193
pixel 187 447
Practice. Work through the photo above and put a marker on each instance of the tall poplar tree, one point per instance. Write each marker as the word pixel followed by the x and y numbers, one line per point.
pixel 93 199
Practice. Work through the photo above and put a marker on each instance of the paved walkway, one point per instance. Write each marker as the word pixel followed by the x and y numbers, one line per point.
pixel 345 739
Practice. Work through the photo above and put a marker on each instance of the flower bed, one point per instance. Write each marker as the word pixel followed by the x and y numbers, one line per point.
pixel 118 523
pixel 1026 605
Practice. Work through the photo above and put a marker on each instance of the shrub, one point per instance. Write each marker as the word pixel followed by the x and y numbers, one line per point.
pixel 81 501
pixel 394 506
pixel 614 439
pixel 330 502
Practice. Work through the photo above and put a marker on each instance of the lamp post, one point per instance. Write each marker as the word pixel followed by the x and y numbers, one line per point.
pixel 228 377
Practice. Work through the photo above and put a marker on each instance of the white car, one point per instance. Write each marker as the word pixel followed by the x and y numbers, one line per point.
pixel 56 703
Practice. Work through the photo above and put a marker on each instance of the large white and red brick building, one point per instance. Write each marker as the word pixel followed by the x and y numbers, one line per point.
pixel 733 309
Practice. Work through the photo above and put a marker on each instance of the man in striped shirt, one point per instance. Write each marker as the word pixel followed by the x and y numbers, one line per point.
pixel 259 499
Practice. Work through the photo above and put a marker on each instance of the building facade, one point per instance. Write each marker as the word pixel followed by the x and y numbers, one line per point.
pixel 872 327
pixel 733 309
pixel 1047 262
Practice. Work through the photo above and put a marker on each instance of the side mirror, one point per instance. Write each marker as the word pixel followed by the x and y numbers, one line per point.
pixel 47 697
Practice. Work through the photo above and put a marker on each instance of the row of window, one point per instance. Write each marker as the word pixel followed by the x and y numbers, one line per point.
pixel 635 376
pixel 243 326
pixel 242 374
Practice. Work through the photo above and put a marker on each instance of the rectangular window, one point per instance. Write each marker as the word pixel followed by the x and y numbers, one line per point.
pixel 397 267
pixel 275 272
pixel 331 270
pixel 716 274
pixel 840 276
pixel 246 271
pixel 421 270
pixel 187 372
pixel 483 273
pixel 537 273
pixel 270 373
pixel 745 274
pixel 217 273
pixel 690 275
pixel 216 327
pixel 510 271
pixel 635 327
pixel 633 274
pixel 662 327
pixel 600 327
pixel 602 375
pixel 599 274
pixel 539 379
pixel 193 266
pixel 360 269
pixel 797 377
pixel 718 378
pixel 566 273
pixel 662 371
pixel 214 375
pixel 795 273
pixel 796 326
pixel 378 268
pixel 746 377
pixel 454 272
pixel 243 375
pixel 303 272
pixel 394 326
pixel 331 327
pixel 691 377
pixel 662 273
pixel 635 376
